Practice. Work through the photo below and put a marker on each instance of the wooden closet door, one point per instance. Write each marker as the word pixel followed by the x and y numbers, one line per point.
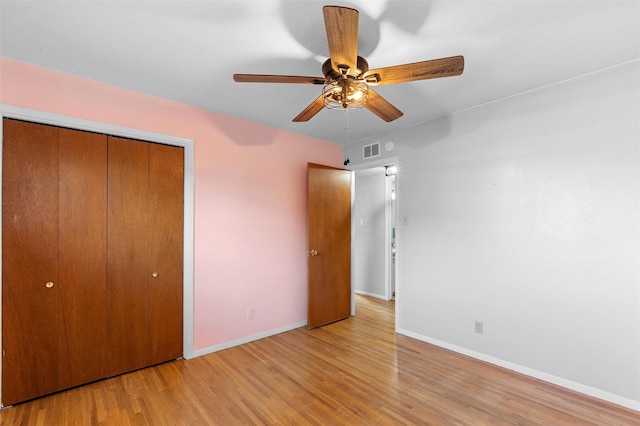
pixel 145 255
pixel 29 261
pixel 128 254
pixel 166 225
pixel 83 257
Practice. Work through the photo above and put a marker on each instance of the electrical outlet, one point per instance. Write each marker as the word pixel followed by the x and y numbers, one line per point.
pixel 250 313
pixel 479 327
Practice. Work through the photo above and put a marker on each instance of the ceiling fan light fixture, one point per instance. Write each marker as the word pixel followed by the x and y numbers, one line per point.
pixel 345 93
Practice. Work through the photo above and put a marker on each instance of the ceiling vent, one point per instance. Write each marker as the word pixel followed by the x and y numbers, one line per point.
pixel 370 151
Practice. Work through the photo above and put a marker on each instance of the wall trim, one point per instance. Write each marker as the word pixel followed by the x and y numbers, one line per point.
pixel 376 296
pixel 43 117
pixel 247 339
pixel 550 378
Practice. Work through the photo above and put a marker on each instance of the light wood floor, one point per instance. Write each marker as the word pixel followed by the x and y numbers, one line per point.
pixel 353 372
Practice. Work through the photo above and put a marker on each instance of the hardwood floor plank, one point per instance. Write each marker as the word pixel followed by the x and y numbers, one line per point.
pixel 352 372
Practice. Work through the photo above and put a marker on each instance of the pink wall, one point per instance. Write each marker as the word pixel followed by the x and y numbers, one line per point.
pixel 250 196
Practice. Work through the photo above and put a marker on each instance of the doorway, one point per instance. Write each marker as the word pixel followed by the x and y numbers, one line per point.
pixel 374 231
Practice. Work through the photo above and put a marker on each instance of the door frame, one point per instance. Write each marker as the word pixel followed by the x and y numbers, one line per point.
pixel 388 206
pixel 42 117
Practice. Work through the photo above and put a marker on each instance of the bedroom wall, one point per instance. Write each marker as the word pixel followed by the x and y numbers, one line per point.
pixel 524 214
pixel 250 197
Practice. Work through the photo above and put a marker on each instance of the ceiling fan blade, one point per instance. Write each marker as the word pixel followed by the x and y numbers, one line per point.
pixel 436 68
pixel 341 24
pixel 315 107
pixel 266 78
pixel 381 107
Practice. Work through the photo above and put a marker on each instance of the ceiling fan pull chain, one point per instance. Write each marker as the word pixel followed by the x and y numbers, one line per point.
pixel 346 126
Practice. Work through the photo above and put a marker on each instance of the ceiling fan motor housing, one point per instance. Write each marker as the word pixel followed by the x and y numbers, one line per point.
pixel 331 74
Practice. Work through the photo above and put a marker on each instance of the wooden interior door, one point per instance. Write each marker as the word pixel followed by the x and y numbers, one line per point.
pixel 329 239
pixel 29 261
pixel 128 254
pixel 166 229
pixel 145 253
pixel 82 257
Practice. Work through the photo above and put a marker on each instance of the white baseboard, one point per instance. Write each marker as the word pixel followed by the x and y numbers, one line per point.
pixel 364 293
pixel 247 339
pixel 578 387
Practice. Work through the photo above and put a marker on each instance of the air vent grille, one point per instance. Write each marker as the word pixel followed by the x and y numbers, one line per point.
pixel 370 151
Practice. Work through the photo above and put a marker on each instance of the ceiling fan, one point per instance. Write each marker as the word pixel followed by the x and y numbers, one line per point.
pixel 347 78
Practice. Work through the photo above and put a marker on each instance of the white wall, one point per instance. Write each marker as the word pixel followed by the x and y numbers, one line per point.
pixel 369 232
pixel 524 214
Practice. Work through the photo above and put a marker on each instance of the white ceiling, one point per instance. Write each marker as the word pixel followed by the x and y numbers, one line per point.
pixel 188 50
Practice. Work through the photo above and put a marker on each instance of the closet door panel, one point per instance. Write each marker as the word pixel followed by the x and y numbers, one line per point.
pixel 29 261
pixel 166 188
pixel 128 254
pixel 83 257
